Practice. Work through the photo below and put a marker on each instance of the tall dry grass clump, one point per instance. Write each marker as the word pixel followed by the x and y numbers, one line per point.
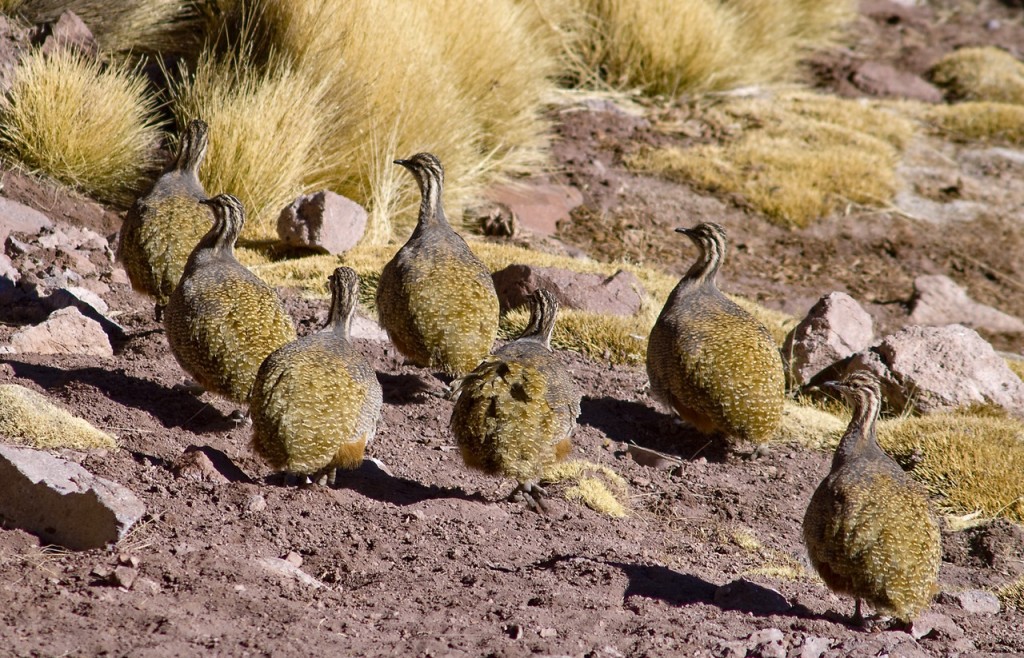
pixel 267 125
pixel 123 26
pixel 672 46
pixel 91 127
pixel 463 79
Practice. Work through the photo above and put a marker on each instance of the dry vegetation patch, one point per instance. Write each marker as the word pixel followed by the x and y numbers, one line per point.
pixel 30 419
pixel 981 74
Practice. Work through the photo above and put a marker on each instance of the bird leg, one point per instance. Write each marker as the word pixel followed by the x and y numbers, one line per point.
pixel 158 312
pixel 858 617
pixel 328 477
pixel 532 494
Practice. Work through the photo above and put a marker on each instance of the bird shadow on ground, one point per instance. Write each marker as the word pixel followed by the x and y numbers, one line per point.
pixel 405 389
pixel 373 482
pixel 171 407
pixel 632 422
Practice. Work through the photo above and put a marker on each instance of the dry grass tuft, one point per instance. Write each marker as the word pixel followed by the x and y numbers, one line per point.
pixel 266 128
pixel 667 47
pixel 30 419
pixel 977 122
pixel 1012 595
pixel 169 27
pixel 973 462
pixel 981 74
pixel 596 486
pixel 1017 366
pixel 796 157
pixel 466 82
pixel 812 425
pixel 90 127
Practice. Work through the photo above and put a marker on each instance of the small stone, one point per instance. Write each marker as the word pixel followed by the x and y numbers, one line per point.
pixel 325 221
pixel 514 631
pixel 367 329
pixel 65 331
pixel 814 647
pixel 9 274
pixel 124 576
pixel 977 602
pixel 128 560
pixel 652 458
pixel 194 464
pixel 146 586
pixel 293 558
pixel 938 300
pixel 618 294
pixel 768 643
pixel 835 327
pixel 750 597
pixel 537 205
pixel 256 504
pixel 548 633
pixel 934 624
pixel 289 570
pixel 61 502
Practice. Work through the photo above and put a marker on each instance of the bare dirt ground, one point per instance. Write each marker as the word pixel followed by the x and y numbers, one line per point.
pixel 429 558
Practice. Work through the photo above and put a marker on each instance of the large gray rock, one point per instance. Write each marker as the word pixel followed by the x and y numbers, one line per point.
pixel 324 221
pixel 618 294
pixel 537 205
pixel 61 502
pixel 930 369
pixel 938 300
pixel 835 327
pixel 19 218
pixel 66 331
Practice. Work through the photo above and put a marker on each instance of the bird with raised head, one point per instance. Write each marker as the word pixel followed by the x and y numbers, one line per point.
pixel 435 299
pixel 515 413
pixel 316 401
pixel 222 320
pixel 165 224
pixel 709 360
pixel 869 530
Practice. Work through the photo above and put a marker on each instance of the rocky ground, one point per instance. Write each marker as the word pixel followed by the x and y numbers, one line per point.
pixel 420 556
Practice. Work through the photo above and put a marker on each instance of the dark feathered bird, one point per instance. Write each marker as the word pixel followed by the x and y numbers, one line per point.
pixel 515 412
pixel 435 298
pixel 316 401
pixel 711 361
pixel 163 226
pixel 222 320
pixel 869 530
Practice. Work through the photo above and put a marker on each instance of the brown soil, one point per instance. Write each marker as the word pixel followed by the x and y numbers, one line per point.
pixel 429 558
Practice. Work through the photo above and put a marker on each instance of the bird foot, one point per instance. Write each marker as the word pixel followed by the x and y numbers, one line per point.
pixel 287 479
pixel 190 387
pixel 532 494
pixel 327 478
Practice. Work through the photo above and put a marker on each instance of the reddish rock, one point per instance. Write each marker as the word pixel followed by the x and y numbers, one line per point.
pixel 19 218
pixel 835 327
pixel 70 31
pixel 537 205
pixel 324 221
pixel 66 331
pixel 938 300
pixel 932 369
pixel 885 81
pixel 618 294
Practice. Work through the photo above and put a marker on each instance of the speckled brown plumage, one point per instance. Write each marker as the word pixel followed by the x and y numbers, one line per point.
pixel 515 412
pixel 316 401
pixel 222 320
pixel 711 361
pixel 869 530
pixel 163 226
pixel 435 298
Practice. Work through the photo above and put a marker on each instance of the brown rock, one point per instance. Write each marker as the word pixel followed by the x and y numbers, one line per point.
pixel 938 300
pixel 325 222
pixel 537 205
pixel 878 79
pixel 618 294
pixel 835 327
pixel 70 31
pixel 66 331
pixel 19 218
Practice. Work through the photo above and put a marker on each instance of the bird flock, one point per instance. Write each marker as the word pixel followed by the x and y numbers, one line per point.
pixel 315 401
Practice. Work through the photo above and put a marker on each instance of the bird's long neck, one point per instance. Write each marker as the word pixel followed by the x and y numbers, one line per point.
pixel 542 320
pixel 220 241
pixel 191 151
pixel 431 206
pixel 860 438
pixel 343 306
pixel 705 268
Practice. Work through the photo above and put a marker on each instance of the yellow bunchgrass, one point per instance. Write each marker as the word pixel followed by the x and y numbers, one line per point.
pixel 90 127
pixel 1012 595
pixel 977 122
pixel 128 26
pixel 794 157
pixel 669 47
pixel 597 486
pixel 981 74
pixel 464 80
pixel 30 419
pixel 266 129
pixel 1017 366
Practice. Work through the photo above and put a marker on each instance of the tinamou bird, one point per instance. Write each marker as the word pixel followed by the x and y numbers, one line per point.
pixel 163 226
pixel 711 361
pixel 316 401
pixel 515 412
pixel 222 320
pixel 435 299
pixel 869 530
